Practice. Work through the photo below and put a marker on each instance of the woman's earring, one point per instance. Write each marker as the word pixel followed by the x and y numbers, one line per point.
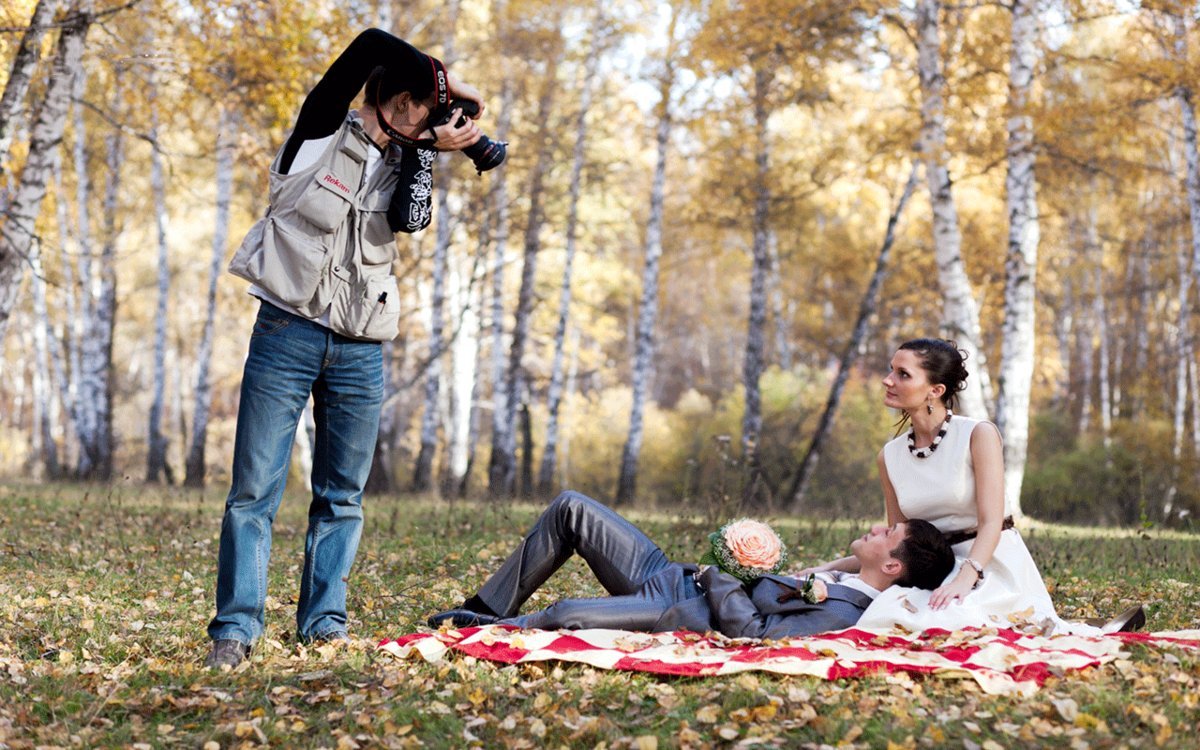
pixel 928 405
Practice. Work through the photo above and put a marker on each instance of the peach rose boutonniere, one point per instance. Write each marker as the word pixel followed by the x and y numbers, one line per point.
pixel 745 549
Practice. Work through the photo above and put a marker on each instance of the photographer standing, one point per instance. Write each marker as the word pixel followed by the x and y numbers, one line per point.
pixel 320 262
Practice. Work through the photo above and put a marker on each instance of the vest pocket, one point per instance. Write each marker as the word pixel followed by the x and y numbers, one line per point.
pixel 379 241
pixel 326 201
pixel 284 261
pixel 377 313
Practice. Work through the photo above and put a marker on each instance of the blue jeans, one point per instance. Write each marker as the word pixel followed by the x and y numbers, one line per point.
pixel 291 357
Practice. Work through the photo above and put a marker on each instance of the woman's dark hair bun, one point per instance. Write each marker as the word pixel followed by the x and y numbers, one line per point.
pixel 944 363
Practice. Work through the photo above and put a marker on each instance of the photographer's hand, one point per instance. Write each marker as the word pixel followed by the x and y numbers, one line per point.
pixel 450 138
pixel 460 90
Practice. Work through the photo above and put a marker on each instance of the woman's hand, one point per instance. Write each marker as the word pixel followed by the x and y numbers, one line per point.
pixel 451 138
pixel 955 591
pixel 460 90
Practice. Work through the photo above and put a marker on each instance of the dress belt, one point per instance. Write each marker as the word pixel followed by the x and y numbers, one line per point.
pixel 954 537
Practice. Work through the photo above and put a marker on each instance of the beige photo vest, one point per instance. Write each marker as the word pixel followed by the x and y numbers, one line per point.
pixel 325 243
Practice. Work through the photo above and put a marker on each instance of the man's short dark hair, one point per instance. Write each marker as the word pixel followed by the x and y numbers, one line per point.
pixel 926 556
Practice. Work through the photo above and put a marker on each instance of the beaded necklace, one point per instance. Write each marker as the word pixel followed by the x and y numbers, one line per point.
pixel 927 452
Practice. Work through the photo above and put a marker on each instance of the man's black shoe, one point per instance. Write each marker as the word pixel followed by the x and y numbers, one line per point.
pixel 461 618
pixel 226 652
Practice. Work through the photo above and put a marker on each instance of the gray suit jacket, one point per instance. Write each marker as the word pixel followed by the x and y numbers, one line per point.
pixel 754 611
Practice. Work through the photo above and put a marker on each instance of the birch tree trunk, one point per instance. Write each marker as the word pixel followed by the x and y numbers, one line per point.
pixel 1194 384
pixel 430 418
pixel 1182 352
pixel 554 397
pixel 648 310
pixel 423 471
pixel 752 360
pixel 502 466
pixel 1064 329
pixel 80 318
pixel 21 73
pixel 1141 341
pixel 464 372
pixel 866 310
pixel 780 308
pixel 1020 185
pixel 18 231
pixel 67 374
pixel 156 453
pixel 960 314
pixel 43 390
pixel 1085 342
pixel 1184 96
pixel 226 138
pixel 505 476
pixel 99 305
pixel 1100 324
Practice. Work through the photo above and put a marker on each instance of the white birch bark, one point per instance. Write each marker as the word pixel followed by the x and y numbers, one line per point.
pixel 752 358
pixel 780 308
pixel 431 416
pixel 502 466
pixel 85 412
pixel 1064 329
pixel 156 452
pixel 43 392
pixel 1194 385
pixel 98 302
pixel 423 471
pixel 554 395
pixel 67 374
pixel 1182 352
pixel 1141 341
pixel 648 309
pixel 18 230
pixel 1020 184
pixel 21 74
pixel 1100 323
pixel 464 359
pixel 960 314
pixel 226 139
pixel 1085 343
pixel 1184 96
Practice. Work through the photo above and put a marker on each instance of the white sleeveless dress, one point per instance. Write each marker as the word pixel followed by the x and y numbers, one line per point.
pixel 941 489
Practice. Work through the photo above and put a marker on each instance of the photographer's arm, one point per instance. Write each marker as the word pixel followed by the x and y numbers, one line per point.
pixel 410 208
pixel 326 105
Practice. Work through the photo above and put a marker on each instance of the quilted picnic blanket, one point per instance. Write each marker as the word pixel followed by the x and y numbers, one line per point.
pixel 1001 661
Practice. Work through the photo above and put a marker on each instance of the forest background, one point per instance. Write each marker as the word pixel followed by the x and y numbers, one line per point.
pixel 716 222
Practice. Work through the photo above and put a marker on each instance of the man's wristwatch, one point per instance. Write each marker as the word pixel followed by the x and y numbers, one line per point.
pixel 978 572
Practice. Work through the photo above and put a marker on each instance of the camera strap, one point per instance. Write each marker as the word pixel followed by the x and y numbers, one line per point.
pixel 443 97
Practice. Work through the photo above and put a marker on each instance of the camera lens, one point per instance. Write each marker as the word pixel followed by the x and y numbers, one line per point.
pixel 486 153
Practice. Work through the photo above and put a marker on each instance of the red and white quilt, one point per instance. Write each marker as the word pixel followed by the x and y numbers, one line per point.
pixel 1000 661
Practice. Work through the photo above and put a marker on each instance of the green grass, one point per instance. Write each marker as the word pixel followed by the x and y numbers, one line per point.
pixel 105 593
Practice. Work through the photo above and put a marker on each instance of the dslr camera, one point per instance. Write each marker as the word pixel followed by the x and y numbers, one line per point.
pixel 485 153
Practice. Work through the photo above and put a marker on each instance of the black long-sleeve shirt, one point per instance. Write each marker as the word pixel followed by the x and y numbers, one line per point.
pixel 324 110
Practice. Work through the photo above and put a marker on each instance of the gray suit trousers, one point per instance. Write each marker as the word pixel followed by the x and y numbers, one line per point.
pixel 641 581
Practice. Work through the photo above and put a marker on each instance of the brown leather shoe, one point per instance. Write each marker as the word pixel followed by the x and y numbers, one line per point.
pixel 226 652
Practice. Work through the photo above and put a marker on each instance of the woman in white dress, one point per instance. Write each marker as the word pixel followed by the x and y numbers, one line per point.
pixel 949 470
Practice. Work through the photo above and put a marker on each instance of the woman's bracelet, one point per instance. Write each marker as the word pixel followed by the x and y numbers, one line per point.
pixel 978 572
